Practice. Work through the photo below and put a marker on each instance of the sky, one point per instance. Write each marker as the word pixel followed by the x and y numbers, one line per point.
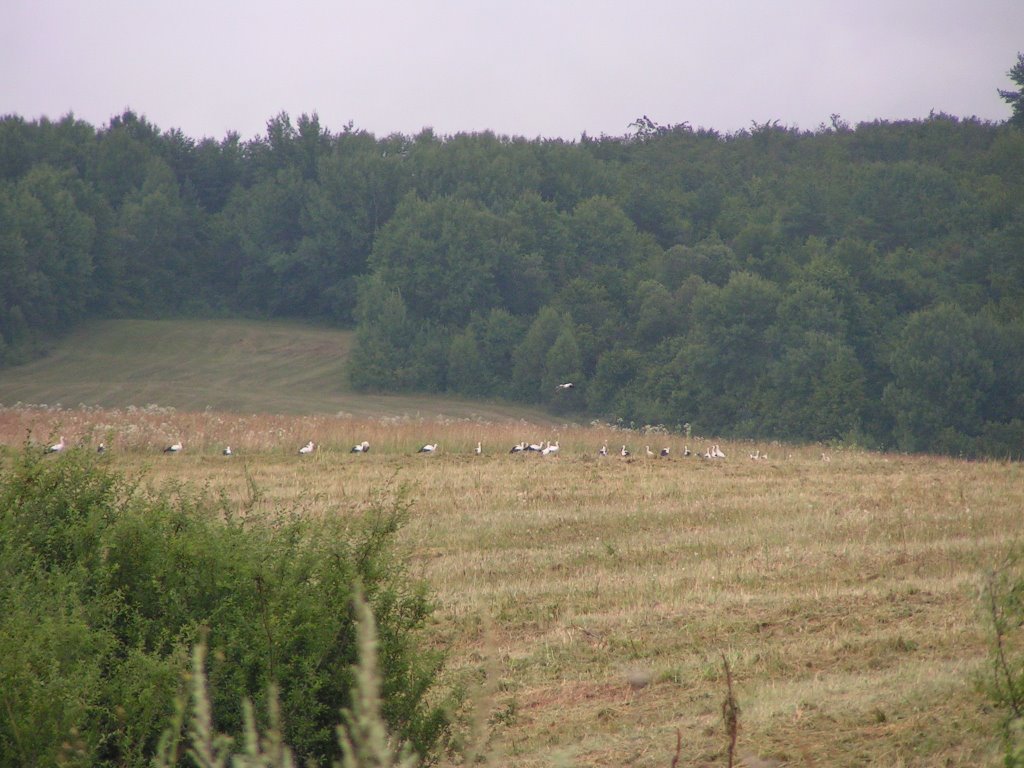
pixel 531 68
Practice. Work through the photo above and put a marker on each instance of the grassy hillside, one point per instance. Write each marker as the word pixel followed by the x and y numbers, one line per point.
pixel 598 595
pixel 226 365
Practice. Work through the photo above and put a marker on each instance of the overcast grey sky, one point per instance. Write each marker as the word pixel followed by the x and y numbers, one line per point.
pixel 531 68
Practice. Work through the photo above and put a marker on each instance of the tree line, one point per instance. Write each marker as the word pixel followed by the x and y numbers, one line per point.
pixel 857 283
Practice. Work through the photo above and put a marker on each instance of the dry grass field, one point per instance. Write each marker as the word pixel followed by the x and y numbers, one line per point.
pixel 590 601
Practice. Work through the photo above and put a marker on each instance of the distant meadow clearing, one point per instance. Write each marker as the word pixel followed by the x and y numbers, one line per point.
pixel 588 602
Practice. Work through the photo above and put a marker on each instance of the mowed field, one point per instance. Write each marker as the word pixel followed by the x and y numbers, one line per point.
pixel 589 601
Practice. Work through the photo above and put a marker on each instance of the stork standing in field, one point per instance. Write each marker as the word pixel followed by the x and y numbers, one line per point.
pixel 518 448
pixel 565 386
pixel 648 452
pixel 428 448
pixel 57 447
pixel 307 449
pixel 479 448
pixel 603 450
pixel 174 448
pixel 363 447
pixel 227 450
pixel 624 452
pixel 664 453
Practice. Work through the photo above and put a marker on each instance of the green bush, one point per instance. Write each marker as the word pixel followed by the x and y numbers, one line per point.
pixel 104 588
pixel 1003 680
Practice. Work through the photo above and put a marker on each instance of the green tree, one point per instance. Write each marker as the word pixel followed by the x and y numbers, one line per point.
pixel 57 240
pixel 814 390
pixel 442 256
pixel 158 243
pixel 562 364
pixel 1016 98
pixel 530 358
pixel 727 352
pixel 266 224
pixel 466 372
pixel 616 369
pixel 658 314
pixel 498 336
pixel 940 381
pixel 380 356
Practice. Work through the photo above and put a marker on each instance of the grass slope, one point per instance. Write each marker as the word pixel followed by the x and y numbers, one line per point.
pixel 226 365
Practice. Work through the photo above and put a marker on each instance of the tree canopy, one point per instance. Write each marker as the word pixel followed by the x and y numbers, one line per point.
pixel 846 283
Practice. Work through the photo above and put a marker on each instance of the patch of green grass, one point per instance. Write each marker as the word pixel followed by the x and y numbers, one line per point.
pixel 239 366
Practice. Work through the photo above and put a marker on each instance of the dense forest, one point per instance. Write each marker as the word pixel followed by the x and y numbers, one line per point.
pixel 852 283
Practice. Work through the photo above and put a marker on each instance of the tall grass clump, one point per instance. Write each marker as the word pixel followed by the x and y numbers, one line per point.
pixel 1003 606
pixel 105 587
pixel 363 737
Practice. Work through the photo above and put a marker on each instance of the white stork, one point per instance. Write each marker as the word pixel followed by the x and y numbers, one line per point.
pixel 518 448
pixel 565 386
pixel 664 453
pixel 428 448
pixel 363 447
pixel 717 453
pixel 101 448
pixel 686 450
pixel 535 447
pixel 624 452
pixel 479 448
pixel 174 448
pixel 649 453
pixel 307 449
pixel 57 447
pixel 227 450
pixel 603 450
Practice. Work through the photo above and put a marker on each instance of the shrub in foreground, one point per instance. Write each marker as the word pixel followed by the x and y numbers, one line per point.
pixel 104 588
